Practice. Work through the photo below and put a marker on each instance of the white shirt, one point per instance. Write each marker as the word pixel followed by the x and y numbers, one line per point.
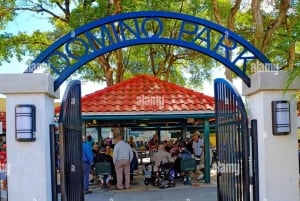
pixel 122 150
pixel 197 147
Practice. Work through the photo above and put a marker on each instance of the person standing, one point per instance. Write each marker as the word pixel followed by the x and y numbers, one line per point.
pixel 122 158
pixel 198 147
pixel 90 140
pixel 87 159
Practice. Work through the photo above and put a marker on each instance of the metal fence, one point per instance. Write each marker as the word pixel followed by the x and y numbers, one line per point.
pixel 70 142
pixel 233 142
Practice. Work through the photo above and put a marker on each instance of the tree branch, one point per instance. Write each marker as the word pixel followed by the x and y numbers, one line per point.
pixel 284 6
pixel 67 10
pixel 39 10
pixel 216 11
pixel 258 21
pixel 151 55
pixel 234 10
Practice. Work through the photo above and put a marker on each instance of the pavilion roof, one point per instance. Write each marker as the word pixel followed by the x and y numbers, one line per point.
pixel 145 93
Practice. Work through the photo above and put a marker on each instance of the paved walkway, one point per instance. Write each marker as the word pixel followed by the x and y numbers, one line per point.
pixel 140 192
pixel 203 192
pixel 178 193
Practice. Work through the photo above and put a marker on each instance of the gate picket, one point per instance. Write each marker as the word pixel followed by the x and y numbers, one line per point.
pixel 70 140
pixel 232 143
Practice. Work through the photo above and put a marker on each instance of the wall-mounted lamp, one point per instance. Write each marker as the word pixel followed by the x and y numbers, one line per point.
pixel 281 117
pixel 25 123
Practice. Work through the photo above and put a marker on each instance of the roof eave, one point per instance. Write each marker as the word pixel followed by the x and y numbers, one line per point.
pixel 146 115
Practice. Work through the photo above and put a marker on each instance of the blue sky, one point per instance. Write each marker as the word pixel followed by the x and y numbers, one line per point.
pixel 24 22
pixel 28 22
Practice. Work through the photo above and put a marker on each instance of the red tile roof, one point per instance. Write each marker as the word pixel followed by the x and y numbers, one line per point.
pixel 146 93
pixel 3 120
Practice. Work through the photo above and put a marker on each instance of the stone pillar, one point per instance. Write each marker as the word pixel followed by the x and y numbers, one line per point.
pixel 277 155
pixel 29 175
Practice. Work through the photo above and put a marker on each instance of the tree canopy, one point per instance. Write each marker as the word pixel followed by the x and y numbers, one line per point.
pixel 271 25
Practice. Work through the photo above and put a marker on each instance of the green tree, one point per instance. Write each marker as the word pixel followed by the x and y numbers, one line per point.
pixel 268 31
pixel 268 25
pixel 164 61
pixel 277 33
pixel 6 15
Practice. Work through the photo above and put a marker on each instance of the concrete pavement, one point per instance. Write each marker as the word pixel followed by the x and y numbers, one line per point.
pixel 178 193
pixel 139 192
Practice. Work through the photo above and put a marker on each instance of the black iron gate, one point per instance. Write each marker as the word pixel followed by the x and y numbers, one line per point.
pixel 70 142
pixel 233 144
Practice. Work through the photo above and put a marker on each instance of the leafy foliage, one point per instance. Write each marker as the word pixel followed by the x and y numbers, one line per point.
pixel 277 36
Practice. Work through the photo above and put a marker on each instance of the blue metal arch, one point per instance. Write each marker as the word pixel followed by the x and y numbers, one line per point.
pixel 70 69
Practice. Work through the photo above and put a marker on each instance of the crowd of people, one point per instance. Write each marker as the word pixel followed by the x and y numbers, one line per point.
pixel 123 157
pixel 175 152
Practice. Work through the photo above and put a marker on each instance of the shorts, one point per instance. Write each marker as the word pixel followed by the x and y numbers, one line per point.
pixel 3 176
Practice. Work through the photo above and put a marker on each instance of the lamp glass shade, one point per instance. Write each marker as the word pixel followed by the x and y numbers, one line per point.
pixel 281 117
pixel 25 122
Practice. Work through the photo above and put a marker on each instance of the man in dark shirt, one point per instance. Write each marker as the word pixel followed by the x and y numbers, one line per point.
pixel 182 155
pixel 103 157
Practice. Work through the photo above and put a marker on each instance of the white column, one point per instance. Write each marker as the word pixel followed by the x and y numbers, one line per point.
pixel 29 162
pixel 277 155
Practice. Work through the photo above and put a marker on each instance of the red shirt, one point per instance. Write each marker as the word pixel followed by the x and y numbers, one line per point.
pixel 3 161
pixel 2 157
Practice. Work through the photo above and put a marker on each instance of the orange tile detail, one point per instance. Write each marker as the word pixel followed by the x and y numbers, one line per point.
pixel 145 93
